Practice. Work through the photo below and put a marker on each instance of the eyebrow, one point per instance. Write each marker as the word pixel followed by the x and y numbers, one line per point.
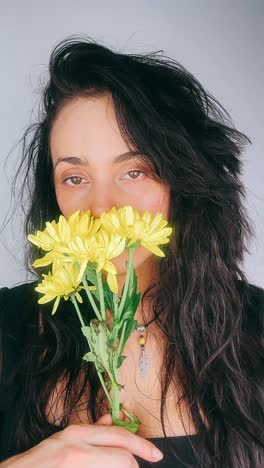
pixel 75 160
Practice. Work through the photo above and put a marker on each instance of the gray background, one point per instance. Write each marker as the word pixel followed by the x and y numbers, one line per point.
pixel 221 43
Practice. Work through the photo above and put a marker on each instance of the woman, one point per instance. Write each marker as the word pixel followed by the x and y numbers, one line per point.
pixel 139 130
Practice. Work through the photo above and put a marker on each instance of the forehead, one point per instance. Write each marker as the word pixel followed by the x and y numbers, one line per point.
pixel 87 125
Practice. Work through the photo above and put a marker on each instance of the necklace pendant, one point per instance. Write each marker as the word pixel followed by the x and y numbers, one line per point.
pixel 143 363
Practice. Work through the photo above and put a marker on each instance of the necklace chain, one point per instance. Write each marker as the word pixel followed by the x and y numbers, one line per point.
pixel 143 327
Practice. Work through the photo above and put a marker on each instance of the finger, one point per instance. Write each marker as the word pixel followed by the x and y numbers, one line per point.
pixel 112 436
pixel 111 457
pixel 107 419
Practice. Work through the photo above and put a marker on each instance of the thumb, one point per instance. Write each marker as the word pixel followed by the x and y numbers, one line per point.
pixel 107 420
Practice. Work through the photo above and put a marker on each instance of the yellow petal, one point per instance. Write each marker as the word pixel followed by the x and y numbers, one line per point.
pixel 64 230
pixel 52 231
pixel 153 248
pixel 56 303
pixel 112 283
pixel 73 218
pixel 45 299
pixel 79 297
pixel 109 267
pixel 82 270
pixel 116 247
pixel 44 261
pixel 128 211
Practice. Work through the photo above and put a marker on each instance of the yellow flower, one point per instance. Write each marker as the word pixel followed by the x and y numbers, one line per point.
pixel 147 230
pixel 57 235
pixel 98 249
pixel 83 224
pixel 62 284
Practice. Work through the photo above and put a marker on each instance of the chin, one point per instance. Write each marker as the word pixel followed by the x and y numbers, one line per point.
pixel 141 259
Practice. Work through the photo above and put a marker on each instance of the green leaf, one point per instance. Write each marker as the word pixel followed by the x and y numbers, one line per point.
pixel 120 360
pixel 119 386
pixel 90 275
pixel 99 366
pixel 130 306
pixel 90 357
pixel 108 296
pixel 130 326
pixel 133 283
pixel 87 333
pixel 116 324
pixel 133 298
pixel 133 423
pixel 100 339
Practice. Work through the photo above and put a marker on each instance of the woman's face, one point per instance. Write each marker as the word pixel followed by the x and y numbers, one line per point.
pixel 92 169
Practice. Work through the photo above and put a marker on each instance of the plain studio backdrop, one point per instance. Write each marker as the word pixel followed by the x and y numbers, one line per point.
pixel 221 43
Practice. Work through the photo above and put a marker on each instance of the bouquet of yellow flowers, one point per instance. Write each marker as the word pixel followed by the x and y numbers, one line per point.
pixel 80 249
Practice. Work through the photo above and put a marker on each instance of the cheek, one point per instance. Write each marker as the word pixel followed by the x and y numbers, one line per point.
pixel 156 202
pixel 69 203
pixel 64 203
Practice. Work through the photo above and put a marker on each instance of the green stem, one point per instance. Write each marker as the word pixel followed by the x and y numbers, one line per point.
pixel 101 293
pixel 115 404
pixel 128 273
pixel 104 387
pixel 115 313
pixel 115 301
pixel 75 303
pixel 91 299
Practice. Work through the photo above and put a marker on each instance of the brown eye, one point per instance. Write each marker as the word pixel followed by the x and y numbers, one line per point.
pixel 135 174
pixel 74 180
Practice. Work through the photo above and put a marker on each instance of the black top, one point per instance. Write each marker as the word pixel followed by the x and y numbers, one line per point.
pixel 18 310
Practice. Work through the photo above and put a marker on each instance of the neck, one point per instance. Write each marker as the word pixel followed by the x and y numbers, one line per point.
pixel 147 273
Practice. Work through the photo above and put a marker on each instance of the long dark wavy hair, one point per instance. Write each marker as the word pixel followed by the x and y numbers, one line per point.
pixel 189 139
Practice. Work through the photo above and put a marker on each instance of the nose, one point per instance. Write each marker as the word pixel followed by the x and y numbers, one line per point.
pixel 102 198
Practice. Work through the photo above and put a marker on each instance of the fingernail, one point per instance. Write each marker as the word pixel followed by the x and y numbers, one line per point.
pixel 157 454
